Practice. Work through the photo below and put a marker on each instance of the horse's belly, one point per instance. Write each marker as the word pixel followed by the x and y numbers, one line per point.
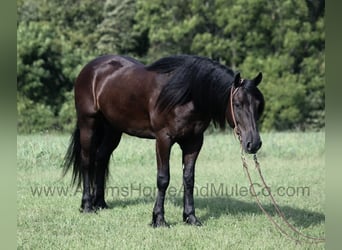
pixel 142 133
pixel 132 123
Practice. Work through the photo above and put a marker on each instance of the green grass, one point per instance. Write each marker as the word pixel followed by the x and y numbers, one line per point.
pixel 292 162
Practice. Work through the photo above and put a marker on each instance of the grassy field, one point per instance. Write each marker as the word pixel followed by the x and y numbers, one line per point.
pixel 293 165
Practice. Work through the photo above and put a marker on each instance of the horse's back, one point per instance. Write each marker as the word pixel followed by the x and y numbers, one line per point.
pixel 103 65
pixel 92 77
pixel 112 60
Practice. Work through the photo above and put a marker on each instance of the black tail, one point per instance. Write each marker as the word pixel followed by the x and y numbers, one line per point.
pixel 73 158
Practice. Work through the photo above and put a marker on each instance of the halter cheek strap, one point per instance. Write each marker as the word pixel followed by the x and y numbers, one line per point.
pixel 232 93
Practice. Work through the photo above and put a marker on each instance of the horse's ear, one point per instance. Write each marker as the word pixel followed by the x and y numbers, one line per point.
pixel 237 80
pixel 258 79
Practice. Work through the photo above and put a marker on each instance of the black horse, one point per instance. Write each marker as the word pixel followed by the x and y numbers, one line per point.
pixel 173 100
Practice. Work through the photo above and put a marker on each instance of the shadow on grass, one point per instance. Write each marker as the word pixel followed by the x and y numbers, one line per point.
pixel 216 207
pixel 112 204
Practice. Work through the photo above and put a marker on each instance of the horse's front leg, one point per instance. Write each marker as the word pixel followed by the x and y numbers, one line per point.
pixel 163 147
pixel 191 148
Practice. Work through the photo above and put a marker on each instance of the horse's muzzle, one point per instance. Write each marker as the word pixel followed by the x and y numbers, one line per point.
pixel 251 147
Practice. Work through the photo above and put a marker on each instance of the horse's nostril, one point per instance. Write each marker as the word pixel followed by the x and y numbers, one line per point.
pixel 249 145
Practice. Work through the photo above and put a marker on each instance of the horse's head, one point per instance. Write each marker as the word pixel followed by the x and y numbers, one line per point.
pixel 246 104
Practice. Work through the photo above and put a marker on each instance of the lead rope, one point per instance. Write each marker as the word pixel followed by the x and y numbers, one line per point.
pixel 308 239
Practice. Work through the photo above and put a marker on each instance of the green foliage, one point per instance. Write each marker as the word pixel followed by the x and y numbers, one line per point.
pixel 294 73
pixel 116 34
pixel 67 113
pixel 282 39
pixel 37 61
pixel 34 117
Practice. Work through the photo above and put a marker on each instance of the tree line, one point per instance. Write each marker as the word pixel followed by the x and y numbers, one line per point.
pixel 283 39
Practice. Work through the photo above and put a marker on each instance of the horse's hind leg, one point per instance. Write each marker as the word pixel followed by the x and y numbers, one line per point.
pixel 110 141
pixel 87 135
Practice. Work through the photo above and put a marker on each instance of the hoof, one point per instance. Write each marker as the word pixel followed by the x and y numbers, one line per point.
pixel 159 221
pixel 192 220
pixel 160 224
pixel 87 209
pixel 99 205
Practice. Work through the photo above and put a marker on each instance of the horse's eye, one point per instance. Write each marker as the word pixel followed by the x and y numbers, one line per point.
pixel 237 105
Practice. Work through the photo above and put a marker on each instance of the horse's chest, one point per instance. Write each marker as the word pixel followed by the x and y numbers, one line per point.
pixel 186 122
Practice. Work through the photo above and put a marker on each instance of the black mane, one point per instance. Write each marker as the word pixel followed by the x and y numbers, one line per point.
pixel 198 79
